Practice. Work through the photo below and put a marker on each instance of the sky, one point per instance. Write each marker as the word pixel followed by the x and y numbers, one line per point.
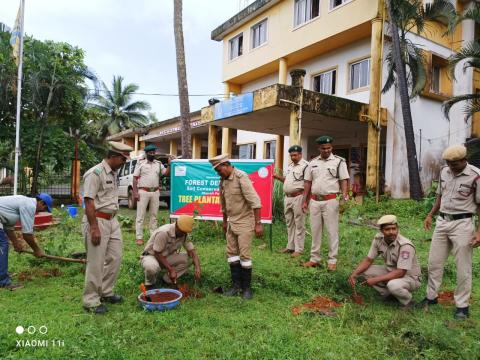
pixel 135 39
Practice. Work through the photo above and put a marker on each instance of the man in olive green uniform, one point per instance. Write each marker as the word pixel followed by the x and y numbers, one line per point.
pixel 103 238
pixel 458 196
pixel 162 252
pixel 146 190
pixel 325 177
pixel 400 275
pixel 241 220
pixel 293 186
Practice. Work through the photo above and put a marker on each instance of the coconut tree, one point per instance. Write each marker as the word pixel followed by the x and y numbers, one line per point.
pixel 117 109
pixel 407 16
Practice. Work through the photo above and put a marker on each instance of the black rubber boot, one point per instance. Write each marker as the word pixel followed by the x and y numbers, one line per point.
pixel 246 284
pixel 236 272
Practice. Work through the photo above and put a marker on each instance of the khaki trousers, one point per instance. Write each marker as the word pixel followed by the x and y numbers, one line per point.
pixel 152 267
pixel 324 213
pixel 451 236
pixel 295 219
pixel 103 261
pixel 146 198
pixel 239 245
pixel 401 288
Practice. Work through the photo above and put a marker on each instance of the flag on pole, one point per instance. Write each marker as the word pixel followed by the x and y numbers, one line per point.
pixel 16 35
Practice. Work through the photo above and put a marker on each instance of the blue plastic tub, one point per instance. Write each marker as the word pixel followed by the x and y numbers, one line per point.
pixel 72 211
pixel 159 306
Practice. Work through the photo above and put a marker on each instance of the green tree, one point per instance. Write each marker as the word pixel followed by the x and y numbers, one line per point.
pixel 407 16
pixel 115 109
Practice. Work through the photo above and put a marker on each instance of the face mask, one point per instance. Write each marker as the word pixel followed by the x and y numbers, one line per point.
pixel 150 157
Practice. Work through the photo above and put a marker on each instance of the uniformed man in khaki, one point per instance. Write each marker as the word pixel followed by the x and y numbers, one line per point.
pixel 162 252
pixel 146 190
pixel 458 196
pixel 325 177
pixel 103 238
pixel 293 186
pixel 241 220
pixel 400 275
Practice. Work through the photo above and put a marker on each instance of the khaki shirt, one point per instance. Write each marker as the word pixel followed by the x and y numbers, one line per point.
pixel 100 184
pixel 400 254
pixel 239 198
pixel 294 177
pixel 325 174
pixel 165 241
pixel 459 193
pixel 149 173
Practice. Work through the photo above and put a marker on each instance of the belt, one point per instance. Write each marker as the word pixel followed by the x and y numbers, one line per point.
pixel 149 189
pixel 295 194
pixel 451 217
pixel 324 197
pixel 103 215
pixel 145 253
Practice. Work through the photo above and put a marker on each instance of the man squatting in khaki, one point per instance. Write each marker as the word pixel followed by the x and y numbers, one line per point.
pixel 100 227
pixel 293 186
pixel 146 190
pixel 241 220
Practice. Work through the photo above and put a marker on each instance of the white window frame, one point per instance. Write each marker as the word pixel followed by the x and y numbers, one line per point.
pixel 254 28
pixel 333 84
pixel 361 84
pixel 332 5
pixel 234 41
pixel 305 11
pixel 252 152
pixel 265 145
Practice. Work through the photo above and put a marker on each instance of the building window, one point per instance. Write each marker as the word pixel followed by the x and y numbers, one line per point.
pixel 305 10
pixel 236 46
pixel 269 149
pixel 335 3
pixel 325 82
pixel 439 83
pixel 360 74
pixel 435 85
pixel 259 34
pixel 247 151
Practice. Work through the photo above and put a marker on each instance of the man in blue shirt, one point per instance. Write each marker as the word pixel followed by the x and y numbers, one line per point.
pixel 12 209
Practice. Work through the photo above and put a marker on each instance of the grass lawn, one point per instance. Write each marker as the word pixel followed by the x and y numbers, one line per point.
pixel 230 328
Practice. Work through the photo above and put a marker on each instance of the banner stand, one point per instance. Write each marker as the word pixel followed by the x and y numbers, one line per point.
pixel 271 236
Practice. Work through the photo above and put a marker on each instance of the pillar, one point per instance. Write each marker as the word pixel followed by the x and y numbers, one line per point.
pixel 212 141
pixel 296 113
pixel 374 104
pixel 173 147
pixel 196 146
pixel 136 145
pixel 279 144
pixel 282 71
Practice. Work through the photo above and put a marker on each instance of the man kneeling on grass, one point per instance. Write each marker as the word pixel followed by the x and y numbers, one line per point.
pixel 400 275
pixel 162 253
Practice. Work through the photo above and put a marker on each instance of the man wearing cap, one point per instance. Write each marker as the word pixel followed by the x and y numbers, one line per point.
pixel 13 209
pixel 325 177
pixel 400 275
pixel 146 190
pixel 293 186
pixel 162 252
pixel 458 196
pixel 100 227
pixel 241 220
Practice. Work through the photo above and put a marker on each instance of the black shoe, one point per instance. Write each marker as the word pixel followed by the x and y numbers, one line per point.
pixel 12 287
pixel 236 273
pixel 114 299
pixel 461 313
pixel 97 310
pixel 427 302
pixel 390 299
pixel 246 284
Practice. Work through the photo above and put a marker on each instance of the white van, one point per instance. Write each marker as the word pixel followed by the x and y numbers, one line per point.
pixel 125 181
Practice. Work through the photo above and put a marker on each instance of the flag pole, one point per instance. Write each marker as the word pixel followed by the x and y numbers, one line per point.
pixel 19 101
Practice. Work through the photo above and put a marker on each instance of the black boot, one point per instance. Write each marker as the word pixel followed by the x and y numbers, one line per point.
pixel 236 272
pixel 246 284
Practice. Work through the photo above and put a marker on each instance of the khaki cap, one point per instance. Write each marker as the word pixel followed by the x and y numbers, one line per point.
pixel 120 148
pixel 185 223
pixel 387 220
pixel 454 153
pixel 217 160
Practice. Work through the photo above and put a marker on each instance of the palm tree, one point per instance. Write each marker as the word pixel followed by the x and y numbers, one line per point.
pixel 117 109
pixel 407 15
pixel 182 80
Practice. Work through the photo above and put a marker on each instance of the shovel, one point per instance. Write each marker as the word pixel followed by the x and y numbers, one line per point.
pixel 58 258
pixel 144 291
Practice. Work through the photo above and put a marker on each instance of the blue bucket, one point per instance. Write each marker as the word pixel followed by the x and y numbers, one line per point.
pixel 72 211
pixel 160 306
